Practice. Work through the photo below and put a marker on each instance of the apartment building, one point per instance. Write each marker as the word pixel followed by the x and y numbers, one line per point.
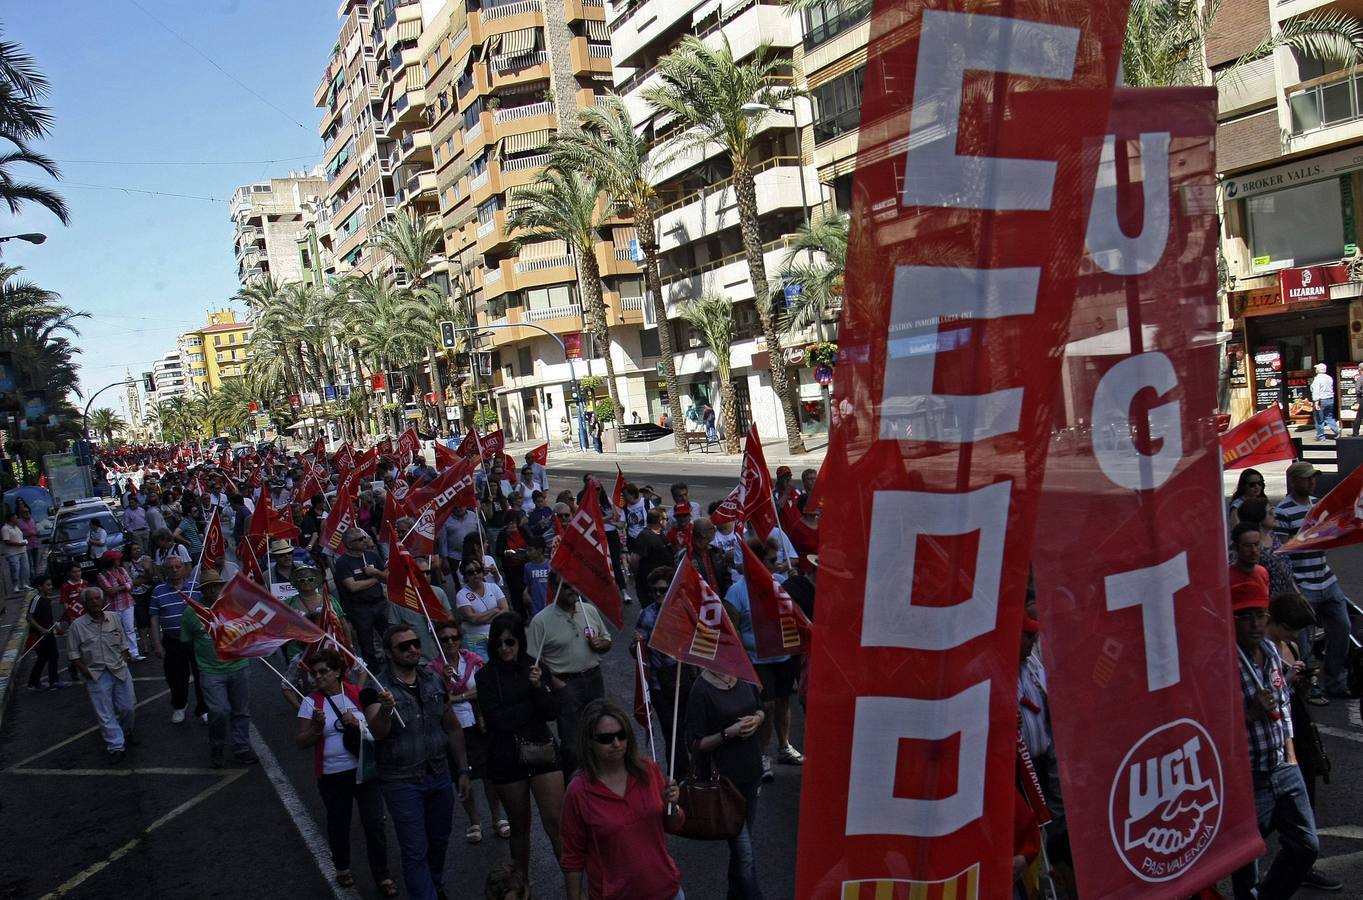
pixel 215 352
pixel 268 223
pixel 499 80
pixel 698 229
pixel 1290 154
pixel 402 36
pixel 171 375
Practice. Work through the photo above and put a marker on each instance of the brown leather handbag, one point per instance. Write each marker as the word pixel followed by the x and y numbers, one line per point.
pixel 715 809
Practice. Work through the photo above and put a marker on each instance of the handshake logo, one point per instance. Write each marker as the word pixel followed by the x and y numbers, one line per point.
pixel 1165 805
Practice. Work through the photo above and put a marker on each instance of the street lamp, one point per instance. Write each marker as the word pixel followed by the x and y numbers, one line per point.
pixel 32 237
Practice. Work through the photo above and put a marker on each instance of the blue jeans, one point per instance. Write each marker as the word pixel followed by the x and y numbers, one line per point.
pixel 228 695
pixel 114 702
pixel 1281 803
pixel 423 814
pixel 1325 418
pixel 1332 614
pixel 742 859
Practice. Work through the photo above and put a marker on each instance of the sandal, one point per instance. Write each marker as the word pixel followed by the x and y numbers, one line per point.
pixel 474 833
pixel 345 879
pixel 503 828
pixel 388 888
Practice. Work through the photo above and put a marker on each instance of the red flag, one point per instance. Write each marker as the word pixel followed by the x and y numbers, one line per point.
pixel 214 543
pixel 540 454
pixel 509 467
pixel 331 624
pixel 1262 438
pixel 490 445
pixel 692 627
pixel 266 522
pixel 758 506
pixel 1336 520
pixel 494 442
pixel 341 516
pixel 395 507
pixel 618 491
pixel 582 558
pixel 249 621
pixel 407 446
pixel 384 447
pixel 310 486
pixel 435 502
pixel 407 586
pixel 642 700
pixel 730 509
pixel 444 456
pixel 779 627
pixel 344 458
pixel 319 448
pixel 468 447
pixel 249 551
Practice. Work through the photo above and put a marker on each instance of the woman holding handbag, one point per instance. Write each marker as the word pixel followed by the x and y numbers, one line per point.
pixel 723 716
pixel 614 815
pixel 330 722
pixel 522 758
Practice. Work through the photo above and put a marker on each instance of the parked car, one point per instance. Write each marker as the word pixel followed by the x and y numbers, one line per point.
pixel 68 546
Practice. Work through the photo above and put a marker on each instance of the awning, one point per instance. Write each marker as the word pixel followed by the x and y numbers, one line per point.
pixel 408 31
pixel 597 30
pixel 623 235
pixel 704 11
pixel 515 43
pixel 459 67
pixel 544 249
pixel 531 140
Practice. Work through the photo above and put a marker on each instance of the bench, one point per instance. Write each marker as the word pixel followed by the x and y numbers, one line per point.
pixel 699 439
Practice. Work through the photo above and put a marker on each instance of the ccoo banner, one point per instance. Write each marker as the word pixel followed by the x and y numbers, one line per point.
pixel 1136 618
pixel 969 201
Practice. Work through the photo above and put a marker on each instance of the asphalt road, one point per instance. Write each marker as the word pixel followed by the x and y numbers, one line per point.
pixel 165 825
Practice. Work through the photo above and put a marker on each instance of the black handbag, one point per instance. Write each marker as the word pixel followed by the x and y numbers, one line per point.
pixel 537 754
pixel 715 809
pixel 350 734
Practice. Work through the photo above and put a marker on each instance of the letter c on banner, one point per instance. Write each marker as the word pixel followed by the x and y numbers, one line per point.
pixel 1108 245
pixel 1124 464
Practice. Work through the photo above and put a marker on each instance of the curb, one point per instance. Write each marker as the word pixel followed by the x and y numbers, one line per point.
pixel 10 658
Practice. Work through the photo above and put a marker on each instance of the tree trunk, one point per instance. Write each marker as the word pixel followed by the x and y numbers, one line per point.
pixel 596 321
pixel 746 189
pixel 729 414
pixel 648 241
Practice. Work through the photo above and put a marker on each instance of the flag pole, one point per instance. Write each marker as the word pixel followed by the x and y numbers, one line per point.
pixel 360 662
pixel 672 756
pixel 648 705
pixel 294 687
pixel 194 579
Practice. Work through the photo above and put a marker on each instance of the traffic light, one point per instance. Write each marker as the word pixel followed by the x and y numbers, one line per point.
pixel 447 335
pixel 82 452
pixel 148 382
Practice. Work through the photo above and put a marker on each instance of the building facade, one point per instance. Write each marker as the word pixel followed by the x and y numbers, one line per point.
pixel 172 378
pixel 215 352
pixel 268 223
pixel 1290 156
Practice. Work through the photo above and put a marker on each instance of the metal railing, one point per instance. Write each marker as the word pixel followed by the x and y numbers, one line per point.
pixel 711 189
pixel 599 51
pixel 502 62
pixel 485 228
pixel 624 254
pixel 852 14
pixel 522 163
pixel 1333 100
pixel 712 265
pixel 479 180
pixel 630 304
pixel 553 312
pixel 516 7
pixel 544 262
pixel 512 113
pixel 463 33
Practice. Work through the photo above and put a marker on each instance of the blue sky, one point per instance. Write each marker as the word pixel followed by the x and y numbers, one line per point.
pixel 124 89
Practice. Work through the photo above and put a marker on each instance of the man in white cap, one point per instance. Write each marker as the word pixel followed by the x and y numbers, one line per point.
pixel 1323 402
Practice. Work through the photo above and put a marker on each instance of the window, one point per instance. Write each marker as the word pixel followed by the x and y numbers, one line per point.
pixel 837 105
pixel 832 17
pixel 1298 226
pixel 649 345
pixel 217 340
pixel 559 295
pixel 525 363
pixel 488 210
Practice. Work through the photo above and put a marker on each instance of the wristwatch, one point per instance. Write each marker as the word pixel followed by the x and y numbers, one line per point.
pixel 468 770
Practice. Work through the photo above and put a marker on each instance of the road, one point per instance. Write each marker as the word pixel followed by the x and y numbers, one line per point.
pixel 164 824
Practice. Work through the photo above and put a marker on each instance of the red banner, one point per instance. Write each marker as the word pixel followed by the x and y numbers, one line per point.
pixel 343 459
pixel 444 456
pixel 1335 519
pixel 779 627
pixel 618 489
pixel 967 232
pixel 1310 284
pixel 341 516
pixel 540 454
pixel 490 445
pixel 249 621
pixel 692 627
pixel 582 558
pixel 1262 438
pixel 1136 616
pixel 214 543
pixel 407 446
pixel 408 587
pixel 434 503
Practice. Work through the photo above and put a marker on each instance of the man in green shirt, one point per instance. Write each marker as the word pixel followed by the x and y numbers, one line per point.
pixel 226 683
pixel 567 638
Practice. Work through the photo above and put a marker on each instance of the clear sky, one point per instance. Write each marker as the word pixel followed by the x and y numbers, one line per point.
pixel 126 90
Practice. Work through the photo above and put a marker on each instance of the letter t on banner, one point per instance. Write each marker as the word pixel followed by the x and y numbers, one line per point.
pixel 964 253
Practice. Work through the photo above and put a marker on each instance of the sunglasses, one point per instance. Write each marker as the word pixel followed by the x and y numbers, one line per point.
pixel 307 580
pixel 470 573
pixel 408 645
pixel 508 642
pixel 321 670
pixel 451 638
pixel 606 738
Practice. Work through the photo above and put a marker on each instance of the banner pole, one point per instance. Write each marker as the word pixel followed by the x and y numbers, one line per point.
pixel 360 662
pixel 672 756
pixel 282 678
pixel 648 705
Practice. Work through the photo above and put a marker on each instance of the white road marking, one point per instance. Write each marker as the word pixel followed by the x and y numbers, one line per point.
pixel 1341 733
pixel 78 735
pixel 1352 832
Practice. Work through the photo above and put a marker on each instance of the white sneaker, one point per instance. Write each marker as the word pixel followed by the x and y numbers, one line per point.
pixel 203 719
pixel 177 717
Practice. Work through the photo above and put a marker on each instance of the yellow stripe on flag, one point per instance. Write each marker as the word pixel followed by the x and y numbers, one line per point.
pixel 851 890
pixel 964 885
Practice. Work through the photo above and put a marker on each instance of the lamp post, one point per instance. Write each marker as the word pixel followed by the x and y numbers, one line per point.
pixel 572 372
pixel 31 237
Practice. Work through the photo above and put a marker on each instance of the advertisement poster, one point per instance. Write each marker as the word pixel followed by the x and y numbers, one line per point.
pixel 1268 366
pixel 1299 394
pixel 1346 380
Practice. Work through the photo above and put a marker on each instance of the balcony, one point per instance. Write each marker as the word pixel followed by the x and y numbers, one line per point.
pixel 587 57
pixel 503 63
pixel 421 183
pixel 546 262
pixel 714 207
pixel 524 163
pixel 549 313
pixel 515 113
pixel 1325 102
pixel 515 8
pixel 727 275
pixel 486 228
pixel 853 12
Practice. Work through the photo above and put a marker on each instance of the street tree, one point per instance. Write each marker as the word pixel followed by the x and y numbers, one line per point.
pixel 713 316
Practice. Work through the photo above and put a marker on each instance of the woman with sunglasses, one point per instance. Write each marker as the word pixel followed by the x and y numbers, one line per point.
pixel 1250 485
pixel 458 667
pixel 615 813
pixel 322 721
pixel 478 602
pixel 308 601
pixel 517 705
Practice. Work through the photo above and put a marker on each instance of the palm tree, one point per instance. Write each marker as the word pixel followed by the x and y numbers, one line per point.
pixel 713 97
pixel 819 277
pixel 386 326
pixel 23 119
pixel 1165 40
pixel 713 316
pixel 36 331
pixel 104 422
pixel 609 146
pixel 230 405
pixel 567 205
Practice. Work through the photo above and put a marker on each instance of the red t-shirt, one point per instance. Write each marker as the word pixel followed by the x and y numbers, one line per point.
pixel 1238 575
pixel 619 841
pixel 71 602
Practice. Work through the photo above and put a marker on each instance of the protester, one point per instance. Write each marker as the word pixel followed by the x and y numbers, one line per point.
pixel 1249 487
pixel 360 581
pixel 418 740
pixel 568 639
pixel 167 608
pixel 458 666
pixel 15 547
pixel 1280 797
pixel 1323 403
pixel 29 527
pixel 96 540
pixel 1256 511
pixel 164 547
pixel 40 623
pixel 723 717
pixel 653 549
pixel 536 577
pixel 331 710
pixel 457 527
pixel 477 603
pixel 615 812
pixel 226 683
pixel 117 584
pixel 135 520
pixel 98 648
pixel 505 882
pixel 663 671
pixel 522 759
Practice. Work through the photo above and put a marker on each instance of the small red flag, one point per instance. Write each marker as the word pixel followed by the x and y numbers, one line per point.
pixel 249 621
pixel 1334 519
pixel 618 491
pixel 384 447
pixel 407 446
pixel 1262 438
pixel 319 448
pixel 730 509
pixel 779 627
pixel 509 467
pixel 643 702
pixel 755 481
pixel 407 587
pixel 214 543
pixel 342 515
pixel 582 558
pixel 434 503
pixel 540 454
pixel 344 458
pixel 692 627
pixel 444 456
pixel 248 557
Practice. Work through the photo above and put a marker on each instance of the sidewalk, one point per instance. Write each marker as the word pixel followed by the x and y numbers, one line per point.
pixel 776 453
pixel 13 633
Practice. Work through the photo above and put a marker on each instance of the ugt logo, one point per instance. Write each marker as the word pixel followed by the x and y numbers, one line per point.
pixel 1165 805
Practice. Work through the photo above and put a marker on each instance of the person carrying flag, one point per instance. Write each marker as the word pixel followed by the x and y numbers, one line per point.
pixel 568 639
pixel 226 683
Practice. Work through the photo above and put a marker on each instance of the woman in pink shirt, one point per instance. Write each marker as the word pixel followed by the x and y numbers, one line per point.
pixel 615 815
pixel 117 584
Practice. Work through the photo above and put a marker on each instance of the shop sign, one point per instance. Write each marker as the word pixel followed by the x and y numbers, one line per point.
pixel 1299 172
pixel 572 345
pixel 1256 303
pixel 1310 283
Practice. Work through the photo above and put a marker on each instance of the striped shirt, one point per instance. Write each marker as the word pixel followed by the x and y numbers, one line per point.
pixel 1268 734
pixel 168 605
pixel 1308 567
